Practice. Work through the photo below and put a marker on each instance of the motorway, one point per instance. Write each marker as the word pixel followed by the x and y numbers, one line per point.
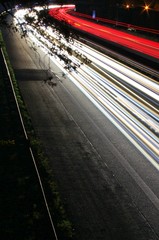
pixel 89 143
pixel 128 98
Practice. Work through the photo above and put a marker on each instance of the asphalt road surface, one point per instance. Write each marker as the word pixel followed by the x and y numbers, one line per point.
pixel 109 189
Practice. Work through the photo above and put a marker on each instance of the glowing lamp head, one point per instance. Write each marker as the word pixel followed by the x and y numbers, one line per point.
pixel 146 7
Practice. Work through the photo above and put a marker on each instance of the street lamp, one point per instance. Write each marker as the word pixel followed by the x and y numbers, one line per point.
pixel 146 7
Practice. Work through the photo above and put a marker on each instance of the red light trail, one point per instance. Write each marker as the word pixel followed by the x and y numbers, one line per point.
pixel 142 45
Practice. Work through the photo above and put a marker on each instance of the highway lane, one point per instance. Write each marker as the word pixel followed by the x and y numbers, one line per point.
pixel 135 113
pixel 112 150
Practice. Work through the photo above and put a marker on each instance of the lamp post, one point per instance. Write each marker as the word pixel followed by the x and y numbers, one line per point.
pixel 117 13
pixel 146 15
pixel 129 12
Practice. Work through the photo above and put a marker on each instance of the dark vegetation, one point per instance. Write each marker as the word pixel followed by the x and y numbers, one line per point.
pixel 23 213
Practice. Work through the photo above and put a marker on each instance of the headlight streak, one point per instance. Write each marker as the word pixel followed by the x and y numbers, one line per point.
pixel 128 94
pixel 133 78
pixel 107 100
pixel 135 119
pixel 121 98
pixel 137 109
pixel 106 80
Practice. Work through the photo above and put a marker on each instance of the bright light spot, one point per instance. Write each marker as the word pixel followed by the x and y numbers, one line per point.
pixel 146 7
